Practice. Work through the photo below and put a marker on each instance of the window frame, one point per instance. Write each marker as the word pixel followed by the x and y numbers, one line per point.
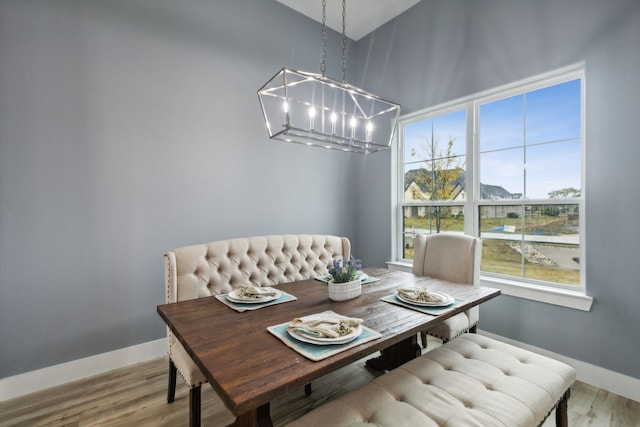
pixel 573 296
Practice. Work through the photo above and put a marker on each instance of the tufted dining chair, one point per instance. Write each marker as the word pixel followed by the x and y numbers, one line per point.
pixel 455 258
pixel 219 267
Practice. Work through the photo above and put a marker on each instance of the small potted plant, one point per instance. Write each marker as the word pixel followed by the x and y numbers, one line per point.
pixel 345 280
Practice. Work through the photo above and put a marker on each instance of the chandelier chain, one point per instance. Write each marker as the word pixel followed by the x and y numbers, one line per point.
pixel 344 41
pixel 323 64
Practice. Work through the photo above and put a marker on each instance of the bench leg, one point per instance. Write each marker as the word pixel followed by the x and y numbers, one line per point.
pixel 561 410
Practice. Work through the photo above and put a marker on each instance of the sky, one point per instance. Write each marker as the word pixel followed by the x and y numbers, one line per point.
pixel 529 143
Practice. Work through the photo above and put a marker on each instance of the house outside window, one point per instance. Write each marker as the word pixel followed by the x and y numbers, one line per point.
pixel 505 165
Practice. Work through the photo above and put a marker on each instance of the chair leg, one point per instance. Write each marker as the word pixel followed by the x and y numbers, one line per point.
pixel 307 389
pixel 423 338
pixel 171 392
pixel 194 407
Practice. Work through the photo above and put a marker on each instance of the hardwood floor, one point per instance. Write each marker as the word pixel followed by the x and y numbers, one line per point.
pixel 136 396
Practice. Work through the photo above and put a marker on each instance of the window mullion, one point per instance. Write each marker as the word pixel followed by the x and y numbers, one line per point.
pixel 470 218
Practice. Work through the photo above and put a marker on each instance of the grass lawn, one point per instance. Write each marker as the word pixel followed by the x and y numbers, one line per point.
pixel 498 257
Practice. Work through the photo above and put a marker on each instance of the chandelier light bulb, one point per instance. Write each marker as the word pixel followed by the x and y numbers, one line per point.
pixel 287 117
pixel 353 122
pixel 334 119
pixel 312 114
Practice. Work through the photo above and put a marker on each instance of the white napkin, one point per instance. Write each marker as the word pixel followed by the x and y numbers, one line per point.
pixel 325 325
pixel 249 291
pixel 418 294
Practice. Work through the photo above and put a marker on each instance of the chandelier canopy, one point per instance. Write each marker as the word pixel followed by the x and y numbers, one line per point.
pixel 312 109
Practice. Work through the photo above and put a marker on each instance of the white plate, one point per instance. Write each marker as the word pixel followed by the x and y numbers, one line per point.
pixel 234 297
pixel 301 336
pixel 448 301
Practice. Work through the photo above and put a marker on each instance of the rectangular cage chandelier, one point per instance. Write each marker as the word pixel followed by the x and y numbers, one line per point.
pixel 312 109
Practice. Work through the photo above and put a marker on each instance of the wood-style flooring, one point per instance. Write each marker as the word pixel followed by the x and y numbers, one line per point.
pixel 136 396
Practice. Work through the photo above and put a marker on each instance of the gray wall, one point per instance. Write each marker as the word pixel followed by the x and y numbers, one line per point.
pixel 446 49
pixel 128 128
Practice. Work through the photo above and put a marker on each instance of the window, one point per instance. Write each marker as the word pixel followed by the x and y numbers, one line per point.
pixel 506 166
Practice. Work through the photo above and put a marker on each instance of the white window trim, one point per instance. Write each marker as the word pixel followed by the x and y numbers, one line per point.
pixel 575 299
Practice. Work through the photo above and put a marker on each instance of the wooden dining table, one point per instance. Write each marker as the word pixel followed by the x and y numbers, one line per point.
pixel 249 367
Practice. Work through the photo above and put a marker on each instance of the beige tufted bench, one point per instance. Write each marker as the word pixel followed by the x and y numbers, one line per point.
pixel 470 381
pixel 219 267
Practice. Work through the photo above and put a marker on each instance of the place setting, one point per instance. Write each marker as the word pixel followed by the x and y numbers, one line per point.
pixel 423 300
pixel 249 297
pixel 318 336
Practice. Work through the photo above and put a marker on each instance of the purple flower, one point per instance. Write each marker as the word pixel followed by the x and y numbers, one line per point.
pixel 345 271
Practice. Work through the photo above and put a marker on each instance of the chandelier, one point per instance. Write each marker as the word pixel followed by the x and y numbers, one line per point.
pixel 313 109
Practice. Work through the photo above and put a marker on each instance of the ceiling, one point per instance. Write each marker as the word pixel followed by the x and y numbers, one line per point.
pixel 363 16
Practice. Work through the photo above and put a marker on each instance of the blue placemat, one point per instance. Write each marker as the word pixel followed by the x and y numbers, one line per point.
pixel 318 352
pixel 434 311
pixel 238 306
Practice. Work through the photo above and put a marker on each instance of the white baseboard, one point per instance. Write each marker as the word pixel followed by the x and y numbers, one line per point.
pixel 41 379
pixel 596 376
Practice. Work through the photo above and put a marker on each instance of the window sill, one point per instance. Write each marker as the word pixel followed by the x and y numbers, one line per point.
pixel 407 267
pixel 561 297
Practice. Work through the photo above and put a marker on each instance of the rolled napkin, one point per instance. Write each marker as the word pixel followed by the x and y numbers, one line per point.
pixel 418 294
pixel 325 325
pixel 249 291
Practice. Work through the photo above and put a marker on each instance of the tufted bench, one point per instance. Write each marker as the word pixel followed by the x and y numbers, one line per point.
pixel 219 267
pixel 470 381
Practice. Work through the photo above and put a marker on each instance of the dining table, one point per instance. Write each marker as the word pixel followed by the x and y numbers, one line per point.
pixel 249 366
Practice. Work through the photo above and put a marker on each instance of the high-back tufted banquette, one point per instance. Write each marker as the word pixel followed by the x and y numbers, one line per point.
pixel 219 267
